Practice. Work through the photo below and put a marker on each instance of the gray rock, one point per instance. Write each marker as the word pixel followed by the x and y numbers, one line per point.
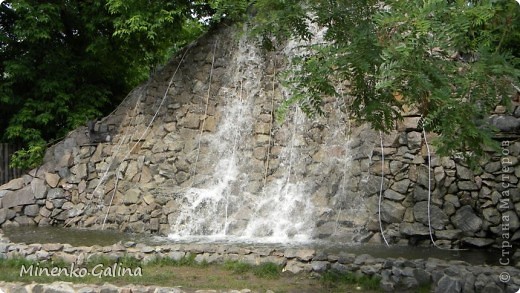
pixel 414 140
pixel 505 123
pixel 493 167
pixel 52 179
pixel 412 229
pixel 492 215
pixel 108 288
pixel 392 212
pixel 408 124
pixel 80 171
pixel 478 242
pixel 448 234
pixel 393 195
pixel 38 188
pixel 492 288
pixel 422 276
pixel 31 210
pixel 18 198
pixel 510 217
pixel 438 219
pixel 301 254
pixel 14 184
pixel 420 193
pixel 467 185
pixel 320 266
pixel 294 267
pixel 466 220
pixel 449 284
pixel 24 220
pixel 3 216
pixel 191 121
pixel 58 287
pixel 464 173
pixel 422 177
pixel 132 196
pixel 55 193
pixel 401 186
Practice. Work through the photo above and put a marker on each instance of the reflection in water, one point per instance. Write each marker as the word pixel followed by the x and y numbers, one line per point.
pixel 72 236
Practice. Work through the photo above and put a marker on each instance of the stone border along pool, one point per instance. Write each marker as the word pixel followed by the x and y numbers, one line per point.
pixel 395 273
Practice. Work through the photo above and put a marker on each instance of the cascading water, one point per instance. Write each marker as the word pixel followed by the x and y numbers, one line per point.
pixel 226 204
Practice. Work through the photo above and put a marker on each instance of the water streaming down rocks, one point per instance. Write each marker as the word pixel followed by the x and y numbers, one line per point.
pixel 196 155
pixel 242 198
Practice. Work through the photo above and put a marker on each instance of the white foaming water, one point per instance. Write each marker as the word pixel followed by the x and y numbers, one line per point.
pixel 228 207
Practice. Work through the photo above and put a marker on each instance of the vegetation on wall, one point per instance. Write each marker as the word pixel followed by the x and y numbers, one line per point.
pixel 64 62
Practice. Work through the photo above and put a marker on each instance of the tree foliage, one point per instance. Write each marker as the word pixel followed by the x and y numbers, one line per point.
pixel 65 62
pixel 454 61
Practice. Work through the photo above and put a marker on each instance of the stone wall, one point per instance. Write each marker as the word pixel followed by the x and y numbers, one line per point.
pixel 204 125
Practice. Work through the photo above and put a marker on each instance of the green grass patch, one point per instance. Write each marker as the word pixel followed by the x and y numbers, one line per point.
pixel 237 267
pixel 334 277
pixel 267 270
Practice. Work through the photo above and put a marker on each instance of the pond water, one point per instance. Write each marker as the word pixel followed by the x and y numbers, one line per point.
pixel 84 237
pixel 73 236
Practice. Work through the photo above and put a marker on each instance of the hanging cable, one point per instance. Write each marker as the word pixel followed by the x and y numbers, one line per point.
pixel 381 188
pixel 194 170
pixel 430 192
pixel 266 171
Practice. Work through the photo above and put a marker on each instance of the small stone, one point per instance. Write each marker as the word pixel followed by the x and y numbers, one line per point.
pixel 478 242
pixel 467 186
pixel 320 266
pixel 132 196
pixel 55 193
pixel 414 140
pixel 14 184
pixel 411 229
pixel 52 179
pixel 393 195
pixel 464 173
pixel 448 234
pixel 301 254
pixel 52 246
pixel 31 210
pixel 401 186
pixel 449 284
pixel 38 188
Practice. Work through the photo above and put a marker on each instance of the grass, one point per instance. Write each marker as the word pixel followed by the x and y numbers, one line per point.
pixel 188 273
pixel 333 278
pixel 267 270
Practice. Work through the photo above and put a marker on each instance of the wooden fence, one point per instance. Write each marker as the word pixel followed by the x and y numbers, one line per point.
pixel 7 173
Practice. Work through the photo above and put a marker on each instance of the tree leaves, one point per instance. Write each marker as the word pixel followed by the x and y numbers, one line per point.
pixel 65 62
pixel 448 59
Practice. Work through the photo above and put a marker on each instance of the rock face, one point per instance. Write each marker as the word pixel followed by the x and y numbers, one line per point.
pixel 196 151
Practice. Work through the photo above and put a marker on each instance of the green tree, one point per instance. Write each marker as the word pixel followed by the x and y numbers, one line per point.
pixel 452 60
pixel 65 62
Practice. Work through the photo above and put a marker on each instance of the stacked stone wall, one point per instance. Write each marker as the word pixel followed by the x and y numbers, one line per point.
pixel 162 145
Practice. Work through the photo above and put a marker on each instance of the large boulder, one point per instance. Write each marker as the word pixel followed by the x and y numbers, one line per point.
pixel 466 220
pixel 20 197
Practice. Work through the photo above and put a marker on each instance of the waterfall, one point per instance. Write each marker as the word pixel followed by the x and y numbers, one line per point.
pixel 229 201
